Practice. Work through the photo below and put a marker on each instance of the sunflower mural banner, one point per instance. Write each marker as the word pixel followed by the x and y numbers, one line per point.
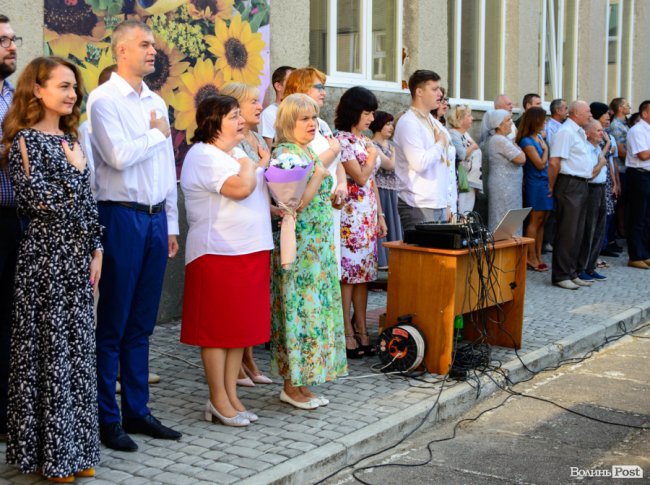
pixel 201 46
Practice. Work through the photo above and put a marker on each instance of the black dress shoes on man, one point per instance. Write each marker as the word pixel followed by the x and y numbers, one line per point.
pixel 114 436
pixel 151 427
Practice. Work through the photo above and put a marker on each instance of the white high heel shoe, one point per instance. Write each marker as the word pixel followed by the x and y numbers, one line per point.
pixel 210 413
pixel 251 416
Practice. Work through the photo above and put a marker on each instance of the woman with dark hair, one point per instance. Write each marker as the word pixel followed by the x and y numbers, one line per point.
pixel 307 342
pixel 440 112
pixel 227 254
pixel 52 413
pixel 362 218
pixel 536 194
pixel 382 128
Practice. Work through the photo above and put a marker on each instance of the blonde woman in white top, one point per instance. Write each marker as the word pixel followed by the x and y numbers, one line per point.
pixel 257 150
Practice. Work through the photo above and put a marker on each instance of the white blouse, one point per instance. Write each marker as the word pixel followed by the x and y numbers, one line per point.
pixel 218 224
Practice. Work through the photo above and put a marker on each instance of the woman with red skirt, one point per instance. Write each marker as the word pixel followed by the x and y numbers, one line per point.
pixel 226 304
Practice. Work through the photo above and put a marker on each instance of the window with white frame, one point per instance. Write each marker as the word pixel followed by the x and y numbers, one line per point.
pixel 559 49
pixel 619 19
pixel 357 41
pixel 476 44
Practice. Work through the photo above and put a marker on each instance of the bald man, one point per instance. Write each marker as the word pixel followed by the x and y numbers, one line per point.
pixel 570 169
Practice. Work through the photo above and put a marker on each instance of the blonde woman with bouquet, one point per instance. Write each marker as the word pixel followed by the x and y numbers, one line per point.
pixel 307 340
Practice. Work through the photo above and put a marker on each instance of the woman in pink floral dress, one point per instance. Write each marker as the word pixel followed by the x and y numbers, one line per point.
pixel 362 220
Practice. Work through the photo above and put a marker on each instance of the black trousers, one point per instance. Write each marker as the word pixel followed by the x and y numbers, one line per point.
pixel 637 214
pixel 571 194
pixel 594 233
pixel 10 229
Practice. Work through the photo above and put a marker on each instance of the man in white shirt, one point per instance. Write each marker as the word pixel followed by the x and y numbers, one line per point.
pixel 267 119
pixel 596 208
pixel 135 181
pixel 569 170
pixel 637 162
pixel 422 159
pixel 559 112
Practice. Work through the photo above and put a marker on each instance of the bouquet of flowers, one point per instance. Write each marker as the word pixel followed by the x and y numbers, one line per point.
pixel 287 176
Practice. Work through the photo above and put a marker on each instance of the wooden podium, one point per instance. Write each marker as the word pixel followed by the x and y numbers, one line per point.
pixel 432 284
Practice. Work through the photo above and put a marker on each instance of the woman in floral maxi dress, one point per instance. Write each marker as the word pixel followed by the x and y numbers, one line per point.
pixel 362 219
pixel 52 411
pixel 307 342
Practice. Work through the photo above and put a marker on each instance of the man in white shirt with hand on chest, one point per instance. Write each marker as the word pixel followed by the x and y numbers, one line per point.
pixel 423 163
pixel 135 182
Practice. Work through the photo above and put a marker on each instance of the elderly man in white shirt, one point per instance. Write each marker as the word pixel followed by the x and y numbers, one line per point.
pixel 424 157
pixel 569 170
pixel 637 162
pixel 135 181
pixel 596 209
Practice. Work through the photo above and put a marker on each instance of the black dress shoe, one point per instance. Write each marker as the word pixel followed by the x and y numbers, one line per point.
pixel 113 436
pixel 152 427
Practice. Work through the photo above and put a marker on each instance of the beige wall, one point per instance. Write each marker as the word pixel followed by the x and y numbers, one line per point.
pixel 640 54
pixel 424 36
pixel 28 24
pixel 592 42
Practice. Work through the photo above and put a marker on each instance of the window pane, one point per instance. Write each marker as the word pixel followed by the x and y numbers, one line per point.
pixel 469 49
pixel 613 90
pixel 493 29
pixel 348 36
pixel 318 35
pixel 384 39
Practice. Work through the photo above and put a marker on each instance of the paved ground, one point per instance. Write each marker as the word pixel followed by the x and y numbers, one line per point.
pixel 525 439
pixel 368 410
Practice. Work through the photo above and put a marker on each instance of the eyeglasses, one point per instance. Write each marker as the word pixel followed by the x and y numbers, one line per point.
pixel 319 86
pixel 6 41
pixel 445 100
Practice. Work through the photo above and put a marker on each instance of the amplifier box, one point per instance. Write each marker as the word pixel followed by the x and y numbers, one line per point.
pixel 442 240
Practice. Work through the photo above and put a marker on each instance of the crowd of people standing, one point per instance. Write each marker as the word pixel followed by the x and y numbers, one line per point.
pixel 72 229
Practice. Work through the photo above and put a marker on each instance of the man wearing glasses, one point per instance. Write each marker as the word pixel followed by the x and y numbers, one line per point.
pixel 9 223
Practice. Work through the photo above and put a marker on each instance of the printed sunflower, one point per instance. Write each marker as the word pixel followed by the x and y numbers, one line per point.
pixel 238 50
pixel 197 83
pixel 90 72
pixel 209 9
pixel 169 68
pixel 69 24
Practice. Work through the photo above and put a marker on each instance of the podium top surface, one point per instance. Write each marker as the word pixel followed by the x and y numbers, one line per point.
pixel 506 243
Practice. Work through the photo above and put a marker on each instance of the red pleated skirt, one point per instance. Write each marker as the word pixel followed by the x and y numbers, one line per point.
pixel 226 301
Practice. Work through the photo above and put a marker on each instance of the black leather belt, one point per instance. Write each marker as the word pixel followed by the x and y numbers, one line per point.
pixel 575 177
pixel 149 209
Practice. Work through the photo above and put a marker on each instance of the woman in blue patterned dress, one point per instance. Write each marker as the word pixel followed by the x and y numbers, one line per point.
pixel 307 344
pixel 362 220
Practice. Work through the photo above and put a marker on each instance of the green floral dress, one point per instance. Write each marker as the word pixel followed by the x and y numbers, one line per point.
pixel 307 336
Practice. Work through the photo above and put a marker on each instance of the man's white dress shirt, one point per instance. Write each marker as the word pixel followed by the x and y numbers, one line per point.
pixel 133 162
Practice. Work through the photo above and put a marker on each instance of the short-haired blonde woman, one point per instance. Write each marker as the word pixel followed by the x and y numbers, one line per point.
pixel 307 340
pixel 256 149
pixel 460 120
pixel 311 81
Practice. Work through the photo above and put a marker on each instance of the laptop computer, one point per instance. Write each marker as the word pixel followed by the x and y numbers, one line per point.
pixel 511 222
